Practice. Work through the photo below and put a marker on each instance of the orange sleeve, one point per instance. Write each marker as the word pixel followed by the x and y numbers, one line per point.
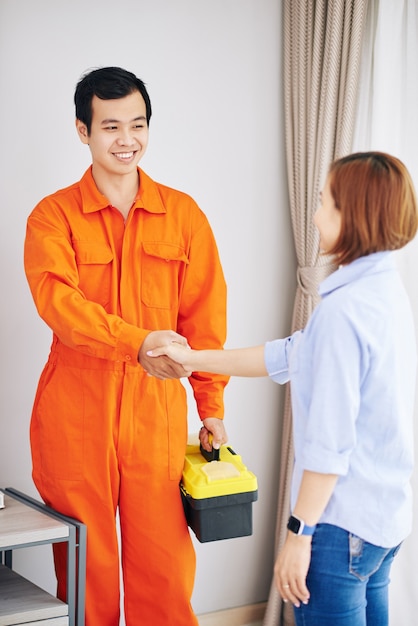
pixel 202 316
pixel 52 273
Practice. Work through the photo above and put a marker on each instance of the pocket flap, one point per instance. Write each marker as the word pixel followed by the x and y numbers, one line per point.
pixel 165 251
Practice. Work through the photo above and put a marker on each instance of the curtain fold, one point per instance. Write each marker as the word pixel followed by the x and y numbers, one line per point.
pixel 322 50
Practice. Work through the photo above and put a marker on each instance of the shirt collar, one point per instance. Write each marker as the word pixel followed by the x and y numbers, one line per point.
pixel 365 265
pixel 148 197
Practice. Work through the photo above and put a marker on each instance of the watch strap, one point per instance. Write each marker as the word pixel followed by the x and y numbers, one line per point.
pixel 298 526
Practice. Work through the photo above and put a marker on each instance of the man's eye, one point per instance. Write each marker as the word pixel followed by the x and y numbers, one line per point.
pixel 110 127
pixel 139 126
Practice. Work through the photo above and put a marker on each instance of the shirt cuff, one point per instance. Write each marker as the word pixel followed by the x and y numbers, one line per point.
pixel 128 344
pixel 315 458
pixel 276 359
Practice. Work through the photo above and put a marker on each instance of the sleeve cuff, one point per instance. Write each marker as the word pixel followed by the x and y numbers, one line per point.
pixel 324 461
pixel 276 359
pixel 129 342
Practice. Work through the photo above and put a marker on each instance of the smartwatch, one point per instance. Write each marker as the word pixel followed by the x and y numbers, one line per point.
pixel 298 526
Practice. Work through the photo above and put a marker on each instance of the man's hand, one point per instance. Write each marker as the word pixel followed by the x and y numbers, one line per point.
pixel 162 366
pixel 214 426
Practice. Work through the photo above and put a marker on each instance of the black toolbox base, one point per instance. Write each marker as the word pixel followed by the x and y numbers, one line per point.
pixel 220 517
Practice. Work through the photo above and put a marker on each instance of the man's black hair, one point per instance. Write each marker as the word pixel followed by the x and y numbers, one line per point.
pixel 107 83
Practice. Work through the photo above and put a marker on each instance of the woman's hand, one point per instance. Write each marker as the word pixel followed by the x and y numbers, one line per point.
pixel 291 569
pixel 154 346
pixel 293 561
pixel 172 348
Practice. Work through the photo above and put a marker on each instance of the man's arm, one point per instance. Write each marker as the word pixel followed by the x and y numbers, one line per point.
pixel 81 323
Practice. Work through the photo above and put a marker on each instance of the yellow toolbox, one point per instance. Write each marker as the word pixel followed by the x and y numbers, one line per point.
pixel 217 494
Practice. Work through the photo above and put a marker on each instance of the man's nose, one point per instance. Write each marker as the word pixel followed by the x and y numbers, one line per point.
pixel 125 138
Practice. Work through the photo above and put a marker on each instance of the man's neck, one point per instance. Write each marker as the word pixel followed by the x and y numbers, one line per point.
pixel 120 190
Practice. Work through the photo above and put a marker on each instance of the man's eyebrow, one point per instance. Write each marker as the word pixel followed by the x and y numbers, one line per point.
pixel 114 121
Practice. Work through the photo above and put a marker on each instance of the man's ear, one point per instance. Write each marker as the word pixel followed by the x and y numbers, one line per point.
pixel 82 131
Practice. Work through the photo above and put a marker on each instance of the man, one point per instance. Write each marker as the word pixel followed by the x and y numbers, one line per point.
pixel 113 261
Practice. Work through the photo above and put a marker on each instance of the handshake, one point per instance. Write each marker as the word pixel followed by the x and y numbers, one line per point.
pixel 164 353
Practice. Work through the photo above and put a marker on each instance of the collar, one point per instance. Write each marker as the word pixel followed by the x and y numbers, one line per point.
pixel 148 197
pixel 365 265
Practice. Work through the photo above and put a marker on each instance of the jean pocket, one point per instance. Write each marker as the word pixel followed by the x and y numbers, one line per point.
pixel 365 558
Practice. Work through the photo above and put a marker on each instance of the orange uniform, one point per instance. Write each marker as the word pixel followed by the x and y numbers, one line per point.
pixel 104 434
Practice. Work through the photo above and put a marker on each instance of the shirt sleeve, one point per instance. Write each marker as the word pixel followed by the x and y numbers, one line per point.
pixel 331 367
pixel 276 357
pixel 202 315
pixel 52 273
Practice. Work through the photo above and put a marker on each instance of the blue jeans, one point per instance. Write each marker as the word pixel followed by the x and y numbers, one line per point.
pixel 348 581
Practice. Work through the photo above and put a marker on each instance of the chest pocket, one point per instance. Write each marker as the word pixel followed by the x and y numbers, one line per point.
pixel 162 273
pixel 94 263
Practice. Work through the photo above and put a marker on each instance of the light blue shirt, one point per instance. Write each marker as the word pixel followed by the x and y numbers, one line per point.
pixel 352 372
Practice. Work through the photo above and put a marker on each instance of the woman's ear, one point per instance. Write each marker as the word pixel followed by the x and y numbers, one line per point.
pixel 82 131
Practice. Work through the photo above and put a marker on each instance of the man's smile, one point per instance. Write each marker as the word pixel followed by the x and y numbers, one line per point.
pixel 124 156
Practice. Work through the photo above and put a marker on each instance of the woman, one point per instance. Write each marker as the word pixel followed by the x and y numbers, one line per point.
pixel 352 372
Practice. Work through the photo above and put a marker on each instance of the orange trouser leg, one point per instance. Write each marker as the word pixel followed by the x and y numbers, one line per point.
pixel 92 501
pixel 103 438
pixel 102 574
pixel 157 554
pixel 75 469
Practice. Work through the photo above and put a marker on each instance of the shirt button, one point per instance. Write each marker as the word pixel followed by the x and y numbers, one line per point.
pixel 128 357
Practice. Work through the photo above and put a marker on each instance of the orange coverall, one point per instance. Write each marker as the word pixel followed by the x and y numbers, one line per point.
pixel 104 434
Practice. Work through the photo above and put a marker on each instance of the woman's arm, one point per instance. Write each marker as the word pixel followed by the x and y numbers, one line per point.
pixel 314 493
pixel 248 362
pixel 293 561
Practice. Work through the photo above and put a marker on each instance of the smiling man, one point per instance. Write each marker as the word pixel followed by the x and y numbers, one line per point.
pixel 118 264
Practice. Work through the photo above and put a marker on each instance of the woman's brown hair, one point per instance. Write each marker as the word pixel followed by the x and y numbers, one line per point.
pixel 376 196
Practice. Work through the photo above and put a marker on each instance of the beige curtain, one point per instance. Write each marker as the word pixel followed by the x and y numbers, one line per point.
pixel 322 49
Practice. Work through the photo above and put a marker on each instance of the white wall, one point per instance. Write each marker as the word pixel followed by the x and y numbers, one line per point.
pixel 213 71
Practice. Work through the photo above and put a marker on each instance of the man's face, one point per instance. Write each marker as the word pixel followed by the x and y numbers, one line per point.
pixel 119 134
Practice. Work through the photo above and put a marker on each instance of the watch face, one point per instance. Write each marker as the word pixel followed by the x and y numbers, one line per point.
pixel 293 524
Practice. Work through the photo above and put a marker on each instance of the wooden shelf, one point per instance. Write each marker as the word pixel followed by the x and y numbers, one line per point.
pixel 22 602
pixel 25 522
pixel 21 525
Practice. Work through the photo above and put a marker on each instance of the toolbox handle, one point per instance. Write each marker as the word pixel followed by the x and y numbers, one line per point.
pixel 213 455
